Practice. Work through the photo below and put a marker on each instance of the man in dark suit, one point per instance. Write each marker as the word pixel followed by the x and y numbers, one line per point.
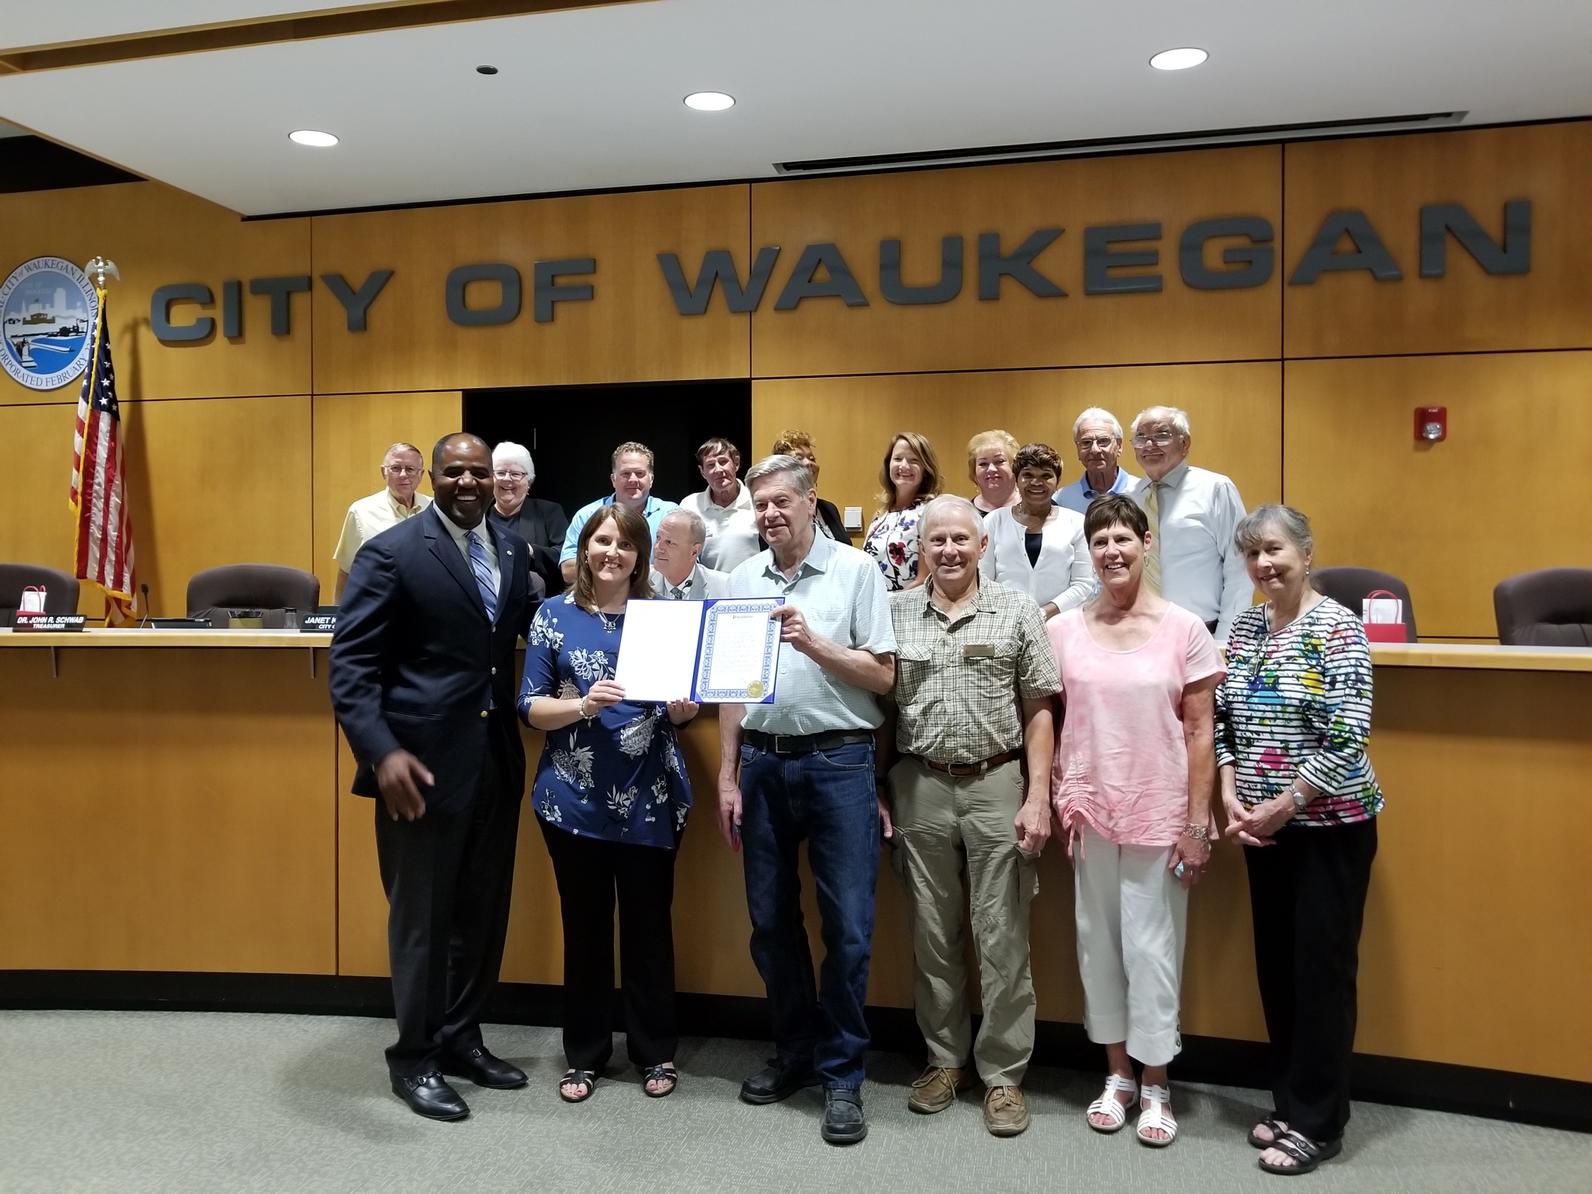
pixel 423 684
pixel 541 523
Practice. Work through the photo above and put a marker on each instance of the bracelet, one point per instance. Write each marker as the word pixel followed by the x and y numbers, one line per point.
pixel 1200 833
pixel 582 708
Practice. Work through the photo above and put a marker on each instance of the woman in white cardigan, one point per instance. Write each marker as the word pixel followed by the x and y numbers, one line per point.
pixel 1035 546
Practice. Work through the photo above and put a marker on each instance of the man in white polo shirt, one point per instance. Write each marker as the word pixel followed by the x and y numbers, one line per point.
pixel 370 516
pixel 802 768
pixel 725 507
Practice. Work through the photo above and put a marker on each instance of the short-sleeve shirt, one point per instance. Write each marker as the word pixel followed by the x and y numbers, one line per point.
pixel 619 775
pixel 731 530
pixel 369 517
pixel 842 597
pixel 653 510
pixel 959 682
pixel 1121 762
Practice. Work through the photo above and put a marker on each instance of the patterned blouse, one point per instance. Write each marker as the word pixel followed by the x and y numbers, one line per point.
pixel 892 541
pixel 619 775
pixel 1298 702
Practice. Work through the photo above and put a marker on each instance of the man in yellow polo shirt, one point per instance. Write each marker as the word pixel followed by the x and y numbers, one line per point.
pixel 370 516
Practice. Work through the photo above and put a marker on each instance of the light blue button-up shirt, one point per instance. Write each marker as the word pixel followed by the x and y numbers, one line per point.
pixel 1078 495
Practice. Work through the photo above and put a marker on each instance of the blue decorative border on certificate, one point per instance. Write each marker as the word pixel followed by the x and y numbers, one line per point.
pixel 770 663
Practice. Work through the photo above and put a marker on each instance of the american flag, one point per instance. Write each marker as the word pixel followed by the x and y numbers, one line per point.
pixel 104 532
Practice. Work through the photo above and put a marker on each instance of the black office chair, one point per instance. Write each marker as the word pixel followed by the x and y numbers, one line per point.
pixel 1350 586
pixel 270 588
pixel 1548 608
pixel 60 589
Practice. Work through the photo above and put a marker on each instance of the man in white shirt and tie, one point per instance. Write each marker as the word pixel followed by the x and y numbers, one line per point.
pixel 1193 513
pixel 677 573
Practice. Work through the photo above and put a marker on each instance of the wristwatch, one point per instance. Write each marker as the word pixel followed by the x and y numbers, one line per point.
pixel 1299 798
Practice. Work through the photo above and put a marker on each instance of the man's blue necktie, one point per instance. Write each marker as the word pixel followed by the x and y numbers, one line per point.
pixel 483 574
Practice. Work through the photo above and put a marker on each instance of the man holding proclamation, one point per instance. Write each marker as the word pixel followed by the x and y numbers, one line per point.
pixel 802 767
pixel 974 685
pixel 423 684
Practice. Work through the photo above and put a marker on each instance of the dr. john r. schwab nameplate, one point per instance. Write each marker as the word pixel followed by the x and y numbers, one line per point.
pixel 721 651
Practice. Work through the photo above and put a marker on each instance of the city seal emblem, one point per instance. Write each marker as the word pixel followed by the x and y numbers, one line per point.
pixel 47 312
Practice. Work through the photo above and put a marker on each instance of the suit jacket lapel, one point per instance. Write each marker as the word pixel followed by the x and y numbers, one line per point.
pixel 446 550
pixel 508 574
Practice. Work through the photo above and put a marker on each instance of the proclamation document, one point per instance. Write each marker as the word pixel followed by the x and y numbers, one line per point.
pixel 722 651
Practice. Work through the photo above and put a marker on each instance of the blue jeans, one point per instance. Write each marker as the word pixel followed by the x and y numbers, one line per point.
pixel 826 797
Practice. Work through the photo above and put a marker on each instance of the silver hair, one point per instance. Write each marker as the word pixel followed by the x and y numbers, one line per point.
pixel 509 452
pixel 1290 523
pixel 954 503
pixel 1163 414
pixel 800 475
pixel 401 446
pixel 696 530
pixel 1097 414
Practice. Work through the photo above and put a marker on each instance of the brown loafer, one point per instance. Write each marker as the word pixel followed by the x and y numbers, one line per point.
pixel 1005 1111
pixel 936 1088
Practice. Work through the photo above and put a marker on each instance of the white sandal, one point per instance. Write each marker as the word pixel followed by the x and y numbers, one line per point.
pixel 1158 1115
pixel 1110 1106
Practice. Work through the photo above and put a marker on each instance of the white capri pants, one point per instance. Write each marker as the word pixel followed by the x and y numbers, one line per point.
pixel 1132 923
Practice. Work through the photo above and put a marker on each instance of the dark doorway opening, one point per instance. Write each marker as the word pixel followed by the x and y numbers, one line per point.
pixel 573 430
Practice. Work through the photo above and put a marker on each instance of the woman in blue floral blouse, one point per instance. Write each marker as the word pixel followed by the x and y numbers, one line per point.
pixel 611 797
pixel 1292 719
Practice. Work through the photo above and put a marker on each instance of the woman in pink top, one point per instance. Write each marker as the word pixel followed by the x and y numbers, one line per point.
pixel 1131 786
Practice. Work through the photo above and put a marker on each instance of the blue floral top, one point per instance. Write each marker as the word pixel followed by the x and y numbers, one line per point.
pixel 618 776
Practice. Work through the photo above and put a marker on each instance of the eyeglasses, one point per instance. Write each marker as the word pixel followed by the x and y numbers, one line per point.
pixel 1103 442
pixel 509 475
pixel 403 470
pixel 1160 439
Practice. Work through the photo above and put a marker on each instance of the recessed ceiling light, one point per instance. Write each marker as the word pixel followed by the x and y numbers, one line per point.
pixel 1179 59
pixel 709 101
pixel 310 137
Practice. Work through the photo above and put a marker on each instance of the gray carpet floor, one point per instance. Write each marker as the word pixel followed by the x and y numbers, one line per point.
pixel 132 1101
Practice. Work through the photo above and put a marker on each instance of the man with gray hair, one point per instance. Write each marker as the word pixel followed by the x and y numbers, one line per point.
pixel 370 516
pixel 967 808
pixel 1190 558
pixel 541 523
pixel 677 572
pixel 801 767
pixel 1097 436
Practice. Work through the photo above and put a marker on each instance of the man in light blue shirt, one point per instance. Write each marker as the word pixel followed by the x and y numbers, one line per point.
pixel 632 481
pixel 801 767
pixel 1098 437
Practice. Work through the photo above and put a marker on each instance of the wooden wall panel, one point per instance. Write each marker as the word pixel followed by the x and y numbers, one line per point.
pixel 158 235
pixel 216 483
pixel 629 332
pixel 350 433
pixel 823 336
pixel 171 810
pixel 1235 412
pixel 1451 518
pixel 37 527
pixel 1389 178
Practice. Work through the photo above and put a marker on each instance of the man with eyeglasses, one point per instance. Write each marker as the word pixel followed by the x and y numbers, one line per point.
pixel 370 516
pixel 541 523
pixel 1097 436
pixel 1189 555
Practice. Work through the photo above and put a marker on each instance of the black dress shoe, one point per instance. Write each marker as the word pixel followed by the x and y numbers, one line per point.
pixel 779 1081
pixel 844 1122
pixel 483 1069
pixel 429 1095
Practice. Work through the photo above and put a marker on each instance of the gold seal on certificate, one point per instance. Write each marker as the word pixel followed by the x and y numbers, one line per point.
pixel 755 690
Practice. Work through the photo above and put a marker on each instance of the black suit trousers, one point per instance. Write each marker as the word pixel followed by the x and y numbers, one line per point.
pixel 590 872
pixel 448 877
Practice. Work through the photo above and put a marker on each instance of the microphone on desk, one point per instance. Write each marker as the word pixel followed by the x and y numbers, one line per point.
pixel 143 591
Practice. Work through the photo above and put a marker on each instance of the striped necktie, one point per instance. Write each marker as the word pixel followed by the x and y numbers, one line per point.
pixel 483 574
pixel 1152 558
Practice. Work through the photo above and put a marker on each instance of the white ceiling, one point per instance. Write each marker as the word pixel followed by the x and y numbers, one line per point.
pixel 590 98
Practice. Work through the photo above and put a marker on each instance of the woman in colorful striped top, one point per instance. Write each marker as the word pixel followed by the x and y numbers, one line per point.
pixel 1292 719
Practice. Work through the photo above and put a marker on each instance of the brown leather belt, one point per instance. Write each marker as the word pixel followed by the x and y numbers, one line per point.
pixel 978 768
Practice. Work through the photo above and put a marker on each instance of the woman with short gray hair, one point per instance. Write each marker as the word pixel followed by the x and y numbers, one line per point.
pixel 1292 719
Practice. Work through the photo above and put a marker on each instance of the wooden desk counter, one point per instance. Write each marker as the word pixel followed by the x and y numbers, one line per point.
pixel 185 808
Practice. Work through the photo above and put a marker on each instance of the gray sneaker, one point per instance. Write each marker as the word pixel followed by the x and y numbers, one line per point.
pixel 844 1122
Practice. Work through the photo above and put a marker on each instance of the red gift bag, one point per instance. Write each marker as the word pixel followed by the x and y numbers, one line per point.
pixel 1383 632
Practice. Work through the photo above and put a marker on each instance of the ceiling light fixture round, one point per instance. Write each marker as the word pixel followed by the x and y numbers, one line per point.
pixel 312 138
pixel 709 101
pixel 1179 59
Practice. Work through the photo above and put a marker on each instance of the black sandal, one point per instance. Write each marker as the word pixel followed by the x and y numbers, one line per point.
pixel 1307 1154
pixel 573 1077
pixel 659 1073
pixel 1270 1124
